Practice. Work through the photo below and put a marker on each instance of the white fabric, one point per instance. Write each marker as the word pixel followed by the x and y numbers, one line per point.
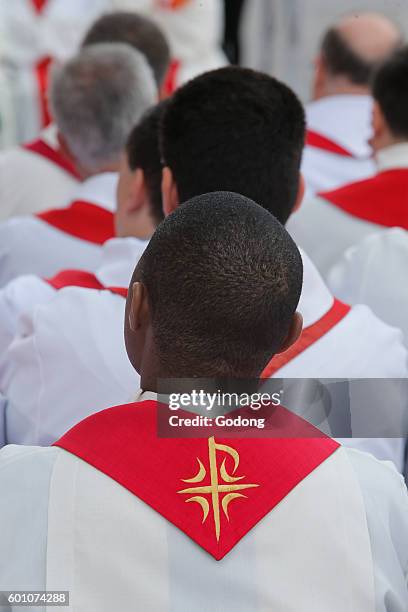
pixel 31 246
pixel 374 272
pixel 74 331
pixel 344 119
pixel 23 294
pixel 30 183
pixel 326 232
pixel 351 551
pixel 70 334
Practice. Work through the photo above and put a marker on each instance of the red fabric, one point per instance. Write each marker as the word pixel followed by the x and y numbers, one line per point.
pixel 39 5
pixel 309 336
pixel 318 141
pixel 122 443
pixel 43 72
pixel 172 5
pixel 39 147
pixel 171 81
pixel 382 199
pixel 80 278
pixel 82 220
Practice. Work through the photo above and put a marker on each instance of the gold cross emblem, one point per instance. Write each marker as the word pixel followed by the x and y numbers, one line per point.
pixel 221 484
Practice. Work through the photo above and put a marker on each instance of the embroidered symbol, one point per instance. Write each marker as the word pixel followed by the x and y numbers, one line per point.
pixel 221 488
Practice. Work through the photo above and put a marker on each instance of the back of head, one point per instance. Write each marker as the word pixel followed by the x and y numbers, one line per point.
pixel 225 292
pixel 135 30
pixel 96 99
pixel 143 152
pixel 238 130
pixel 390 90
pixel 355 47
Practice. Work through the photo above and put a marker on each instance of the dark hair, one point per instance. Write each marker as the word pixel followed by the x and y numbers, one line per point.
pixel 139 32
pixel 238 130
pixel 226 287
pixel 390 90
pixel 342 60
pixel 143 152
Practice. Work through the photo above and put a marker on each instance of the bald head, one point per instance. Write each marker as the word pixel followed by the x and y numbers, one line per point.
pixel 352 50
pixel 371 36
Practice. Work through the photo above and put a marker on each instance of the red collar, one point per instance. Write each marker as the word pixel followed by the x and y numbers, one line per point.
pixel 309 336
pixel 382 199
pixel 230 483
pixel 83 220
pixel 40 147
pixel 80 278
pixel 318 141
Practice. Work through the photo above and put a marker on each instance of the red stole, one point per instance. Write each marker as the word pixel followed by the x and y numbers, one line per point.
pixel 41 148
pixel 83 220
pixel 215 490
pixel 382 200
pixel 309 336
pixel 318 141
pixel 80 278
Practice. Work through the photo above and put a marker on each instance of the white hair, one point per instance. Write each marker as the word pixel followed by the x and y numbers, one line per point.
pixel 97 97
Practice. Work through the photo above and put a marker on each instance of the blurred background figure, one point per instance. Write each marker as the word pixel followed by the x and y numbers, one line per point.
pixel 50 178
pixel 339 116
pixel 35 32
pixel 281 37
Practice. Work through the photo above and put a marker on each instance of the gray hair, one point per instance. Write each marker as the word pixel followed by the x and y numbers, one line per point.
pixel 97 97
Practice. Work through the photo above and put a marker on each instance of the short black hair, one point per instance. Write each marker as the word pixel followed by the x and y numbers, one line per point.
pixel 390 90
pixel 143 152
pixel 139 32
pixel 342 60
pixel 225 290
pixel 235 129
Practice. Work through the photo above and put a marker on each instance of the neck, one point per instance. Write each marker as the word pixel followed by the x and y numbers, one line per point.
pixel 86 173
pixel 340 86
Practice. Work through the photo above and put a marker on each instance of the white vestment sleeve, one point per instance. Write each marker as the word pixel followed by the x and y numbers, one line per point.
pixel 374 272
pixel 16 298
pixel 25 475
pixel 69 361
pixel 386 500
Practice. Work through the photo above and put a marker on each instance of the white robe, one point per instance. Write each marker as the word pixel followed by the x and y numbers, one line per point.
pixel 345 121
pixel 374 272
pixel 96 372
pixel 326 232
pixel 28 245
pixel 31 183
pixel 338 542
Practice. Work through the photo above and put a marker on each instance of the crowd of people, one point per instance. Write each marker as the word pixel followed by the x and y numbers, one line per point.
pixel 174 218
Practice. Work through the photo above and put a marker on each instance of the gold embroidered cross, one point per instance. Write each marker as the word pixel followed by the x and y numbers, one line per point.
pixel 217 487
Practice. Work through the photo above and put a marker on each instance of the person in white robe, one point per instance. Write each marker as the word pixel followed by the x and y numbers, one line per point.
pixel 329 225
pixel 93 134
pixel 344 513
pixel 50 178
pixel 339 115
pixel 342 342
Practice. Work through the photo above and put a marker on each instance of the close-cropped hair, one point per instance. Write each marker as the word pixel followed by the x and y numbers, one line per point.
pixel 223 279
pixel 136 30
pixel 390 90
pixel 235 129
pixel 342 60
pixel 96 99
pixel 143 152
